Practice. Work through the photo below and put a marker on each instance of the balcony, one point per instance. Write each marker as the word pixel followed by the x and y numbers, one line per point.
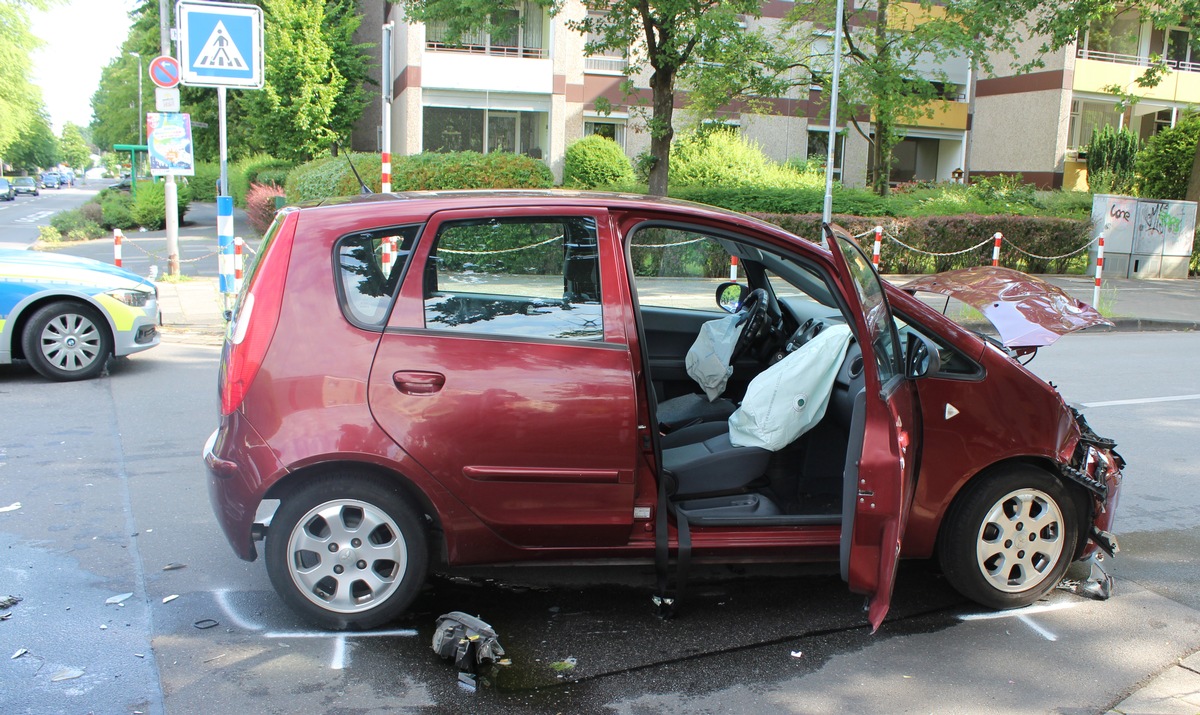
pixel 1097 71
pixel 605 65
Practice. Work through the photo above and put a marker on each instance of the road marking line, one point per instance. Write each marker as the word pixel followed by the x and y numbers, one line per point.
pixel 1142 401
pixel 1041 631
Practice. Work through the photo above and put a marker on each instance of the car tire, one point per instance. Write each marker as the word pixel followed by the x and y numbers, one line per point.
pixel 346 551
pixel 67 340
pixel 1009 540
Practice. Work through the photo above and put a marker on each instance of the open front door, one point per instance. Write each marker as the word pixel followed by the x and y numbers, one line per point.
pixel 876 508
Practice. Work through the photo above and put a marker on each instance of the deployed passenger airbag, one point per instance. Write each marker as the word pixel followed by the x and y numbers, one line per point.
pixel 707 361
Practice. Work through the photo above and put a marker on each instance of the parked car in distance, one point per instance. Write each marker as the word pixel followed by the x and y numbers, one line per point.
pixel 67 178
pixel 522 383
pixel 51 181
pixel 7 191
pixel 67 316
pixel 25 185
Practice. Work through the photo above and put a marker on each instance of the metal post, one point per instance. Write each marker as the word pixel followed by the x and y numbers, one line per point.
pixel 1099 271
pixel 170 190
pixel 388 29
pixel 827 211
pixel 223 140
pixel 996 249
pixel 141 118
pixel 878 246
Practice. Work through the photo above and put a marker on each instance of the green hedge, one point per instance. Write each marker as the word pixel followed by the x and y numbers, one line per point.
pixel 331 176
pixel 596 161
pixel 858 202
pixel 204 183
pixel 951 234
pixel 149 207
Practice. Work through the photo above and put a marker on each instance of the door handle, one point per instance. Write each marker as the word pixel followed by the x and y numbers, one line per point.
pixel 414 382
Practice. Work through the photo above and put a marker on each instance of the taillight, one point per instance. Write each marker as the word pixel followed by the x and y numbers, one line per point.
pixel 257 313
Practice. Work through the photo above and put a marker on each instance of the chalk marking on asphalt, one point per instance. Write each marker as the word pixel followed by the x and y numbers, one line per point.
pixel 339 654
pixel 1041 631
pixel 405 632
pixel 223 602
pixel 1016 612
pixel 1142 401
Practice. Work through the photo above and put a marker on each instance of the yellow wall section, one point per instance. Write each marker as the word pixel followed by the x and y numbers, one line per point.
pixel 1075 175
pixel 905 16
pixel 122 315
pixel 1095 75
pixel 946 115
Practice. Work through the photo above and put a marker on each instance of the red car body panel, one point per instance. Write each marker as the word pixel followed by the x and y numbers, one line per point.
pixel 562 479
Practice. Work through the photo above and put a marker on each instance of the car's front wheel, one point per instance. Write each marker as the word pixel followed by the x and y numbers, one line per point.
pixel 1010 539
pixel 66 340
pixel 347 551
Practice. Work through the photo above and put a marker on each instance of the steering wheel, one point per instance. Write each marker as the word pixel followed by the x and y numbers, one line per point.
pixel 753 319
pixel 811 328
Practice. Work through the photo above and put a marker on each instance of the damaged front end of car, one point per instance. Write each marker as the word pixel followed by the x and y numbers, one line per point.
pixel 1095 466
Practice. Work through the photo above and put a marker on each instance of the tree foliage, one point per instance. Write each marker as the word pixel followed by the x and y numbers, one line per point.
pixel 1164 165
pixel 36 146
pixel 73 148
pixel 20 100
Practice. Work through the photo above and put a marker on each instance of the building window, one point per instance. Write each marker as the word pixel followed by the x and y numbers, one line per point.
pixel 608 60
pixel 1086 118
pixel 818 148
pixel 448 129
pixel 525 37
pixel 609 130
pixel 1115 37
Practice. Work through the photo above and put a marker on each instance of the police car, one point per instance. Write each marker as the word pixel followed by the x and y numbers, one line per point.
pixel 68 315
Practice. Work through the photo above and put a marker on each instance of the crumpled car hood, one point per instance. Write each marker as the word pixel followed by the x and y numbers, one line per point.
pixel 1027 311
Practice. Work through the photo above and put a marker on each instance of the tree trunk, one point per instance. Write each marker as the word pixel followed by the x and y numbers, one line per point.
pixel 884 126
pixel 662 129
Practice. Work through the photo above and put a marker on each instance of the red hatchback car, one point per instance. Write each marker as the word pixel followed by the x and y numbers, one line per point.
pixel 487 377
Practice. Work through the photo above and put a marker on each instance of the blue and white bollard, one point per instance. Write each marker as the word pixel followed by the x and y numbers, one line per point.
pixel 225 265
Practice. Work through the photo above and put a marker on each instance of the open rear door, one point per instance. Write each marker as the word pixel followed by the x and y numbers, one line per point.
pixel 876 510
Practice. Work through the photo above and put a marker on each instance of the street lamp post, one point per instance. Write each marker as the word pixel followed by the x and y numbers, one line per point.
pixel 141 118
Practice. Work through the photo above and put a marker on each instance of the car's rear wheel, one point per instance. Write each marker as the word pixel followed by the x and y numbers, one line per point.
pixel 1009 540
pixel 67 340
pixel 347 551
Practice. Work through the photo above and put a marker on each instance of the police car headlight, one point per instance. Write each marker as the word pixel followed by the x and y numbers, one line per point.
pixel 135 298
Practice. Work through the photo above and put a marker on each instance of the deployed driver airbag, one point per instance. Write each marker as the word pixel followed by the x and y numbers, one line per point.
pixel 707 360
pixel 789 398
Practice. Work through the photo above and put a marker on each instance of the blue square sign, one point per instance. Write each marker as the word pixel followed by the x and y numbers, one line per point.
pixel 220 44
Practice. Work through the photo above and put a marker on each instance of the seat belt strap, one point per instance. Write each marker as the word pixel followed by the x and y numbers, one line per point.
pixel 662 555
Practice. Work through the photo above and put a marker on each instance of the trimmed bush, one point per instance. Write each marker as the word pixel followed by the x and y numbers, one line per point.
pixel 260 206
pixel 116 210
pixel 1165 165
pixel 149 205
pixel 595 161
pixel 204 183
pixel 725 158
pixel 246 171
pixel 328 177
pixel 73 224
pixel 1110 160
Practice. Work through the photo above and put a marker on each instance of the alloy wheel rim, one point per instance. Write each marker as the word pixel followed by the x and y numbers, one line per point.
pixel 347 556
pixel 71 342
pixel 1020 540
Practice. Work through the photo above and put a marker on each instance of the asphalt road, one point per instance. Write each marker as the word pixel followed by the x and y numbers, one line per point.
pixel 111 491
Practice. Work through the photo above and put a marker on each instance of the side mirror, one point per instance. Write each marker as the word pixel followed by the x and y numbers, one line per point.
pixel 921 358
pixel 730 296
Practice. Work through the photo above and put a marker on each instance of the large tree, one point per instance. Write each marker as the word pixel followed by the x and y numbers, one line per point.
pixel 73 149
pixel 20 101
pixel 36 146
pixel 667 38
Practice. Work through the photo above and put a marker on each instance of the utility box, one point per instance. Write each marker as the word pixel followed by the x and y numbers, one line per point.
pixel 1143 238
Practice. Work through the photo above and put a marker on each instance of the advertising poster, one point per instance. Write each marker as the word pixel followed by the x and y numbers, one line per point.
pixel 169 142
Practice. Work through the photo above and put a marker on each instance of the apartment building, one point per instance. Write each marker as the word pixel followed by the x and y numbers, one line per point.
pixel 534 91
pixel 1040 124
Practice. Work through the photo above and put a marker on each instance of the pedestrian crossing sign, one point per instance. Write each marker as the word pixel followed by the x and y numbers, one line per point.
pixel 220 44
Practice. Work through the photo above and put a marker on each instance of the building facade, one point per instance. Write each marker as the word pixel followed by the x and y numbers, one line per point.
pixel 534 91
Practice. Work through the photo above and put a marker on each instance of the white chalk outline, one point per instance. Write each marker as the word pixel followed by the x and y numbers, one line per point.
pixel 1141 401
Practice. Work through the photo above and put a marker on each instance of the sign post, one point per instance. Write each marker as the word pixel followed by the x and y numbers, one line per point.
pixel 164 73
pixel 221 45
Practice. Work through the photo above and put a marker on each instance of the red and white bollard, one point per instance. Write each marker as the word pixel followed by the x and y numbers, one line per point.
pixel 385 259
pixel 733 268
pixel 996 249
pixel 878 245
pixel 387 172
pixel 237 263
pixel 1099 271
pixel 117 236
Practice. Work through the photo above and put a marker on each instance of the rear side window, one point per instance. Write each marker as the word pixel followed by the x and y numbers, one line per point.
pixel 369 265
pixel 525 278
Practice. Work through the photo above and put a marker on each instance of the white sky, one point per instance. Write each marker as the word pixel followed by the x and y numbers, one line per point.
pixel 80 38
